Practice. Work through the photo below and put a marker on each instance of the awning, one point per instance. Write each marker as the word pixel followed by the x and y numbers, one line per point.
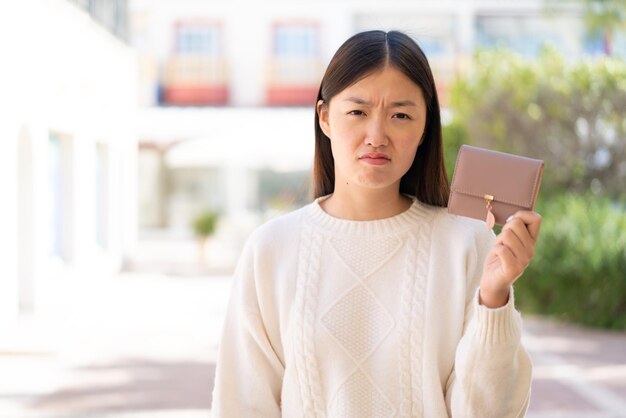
pixel 276 138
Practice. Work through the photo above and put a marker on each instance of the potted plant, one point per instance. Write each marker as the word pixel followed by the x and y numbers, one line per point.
pixel 204 226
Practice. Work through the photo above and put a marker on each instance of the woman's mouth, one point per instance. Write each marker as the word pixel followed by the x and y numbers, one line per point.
pixel 375 158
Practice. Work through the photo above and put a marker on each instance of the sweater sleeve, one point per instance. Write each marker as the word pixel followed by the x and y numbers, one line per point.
pixel 249 371
pixel 492 370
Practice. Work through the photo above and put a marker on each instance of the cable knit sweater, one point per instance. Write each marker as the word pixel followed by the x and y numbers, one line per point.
pixel 341 318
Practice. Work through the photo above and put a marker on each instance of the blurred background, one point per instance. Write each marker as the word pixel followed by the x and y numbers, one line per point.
pixel 142 141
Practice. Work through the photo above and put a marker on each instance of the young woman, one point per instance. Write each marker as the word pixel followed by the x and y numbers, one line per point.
pixel 373 301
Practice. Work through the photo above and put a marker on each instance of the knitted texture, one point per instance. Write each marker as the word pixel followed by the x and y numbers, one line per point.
pixel 358 397
pixel 340 318
pixel 410 359
pixel 360 322
pixel 306 301
pixel 364 258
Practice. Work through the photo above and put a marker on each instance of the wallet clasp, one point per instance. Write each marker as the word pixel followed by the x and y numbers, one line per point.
pixel 490 220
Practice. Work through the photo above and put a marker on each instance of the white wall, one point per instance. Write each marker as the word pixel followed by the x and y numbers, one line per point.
pixel 64 74
pixel 18 81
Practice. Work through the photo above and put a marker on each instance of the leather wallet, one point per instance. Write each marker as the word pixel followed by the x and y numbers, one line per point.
pixel 491 185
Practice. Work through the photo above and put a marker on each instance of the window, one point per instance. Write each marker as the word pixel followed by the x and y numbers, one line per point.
pixel 196 72
pixel 295 40
pixel 295 66
pixel 198 39
pixel 528 34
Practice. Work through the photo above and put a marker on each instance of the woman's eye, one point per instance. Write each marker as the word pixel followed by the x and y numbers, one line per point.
pixel 401 116
pixel 356 112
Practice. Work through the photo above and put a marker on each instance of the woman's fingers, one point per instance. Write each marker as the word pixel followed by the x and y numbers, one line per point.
pixel 521 248
pixel 517 227
pixel 511 266
pixel 531 221
pixel 515 245
pixel 514 248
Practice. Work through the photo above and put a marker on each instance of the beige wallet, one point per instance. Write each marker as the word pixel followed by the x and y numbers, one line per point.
pixel 491 185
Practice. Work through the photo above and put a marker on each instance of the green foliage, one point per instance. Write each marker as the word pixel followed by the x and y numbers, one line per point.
pixel 205 223
pixel 454 135
pixel 569 114
pixel 579 269
pixel 606 17
pixel 605 14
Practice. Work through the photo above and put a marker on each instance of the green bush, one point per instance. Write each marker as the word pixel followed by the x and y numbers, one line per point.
pixel 568 113
pixel 454 135
pixel 579 269
pixel 205 223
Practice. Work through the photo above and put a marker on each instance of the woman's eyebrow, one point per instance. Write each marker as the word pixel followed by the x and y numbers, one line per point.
pixel 402 103
pixel 357 100
pixel 399 103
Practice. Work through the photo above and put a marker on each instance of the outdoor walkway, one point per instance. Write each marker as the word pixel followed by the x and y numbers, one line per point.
pixel 144 345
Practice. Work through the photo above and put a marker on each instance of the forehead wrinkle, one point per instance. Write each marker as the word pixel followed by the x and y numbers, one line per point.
pixel 398 103
pixel 357 100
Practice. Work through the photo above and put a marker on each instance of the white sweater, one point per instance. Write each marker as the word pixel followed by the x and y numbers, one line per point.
pixel 340 318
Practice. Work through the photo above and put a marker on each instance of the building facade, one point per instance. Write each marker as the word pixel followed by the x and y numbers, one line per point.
pixel 202 53
pixel 68 150
pixel 204 64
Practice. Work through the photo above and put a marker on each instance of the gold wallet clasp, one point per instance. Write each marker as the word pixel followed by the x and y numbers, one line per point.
pixel 490 220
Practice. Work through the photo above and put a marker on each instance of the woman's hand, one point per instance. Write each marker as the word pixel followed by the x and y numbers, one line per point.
pixel 515 247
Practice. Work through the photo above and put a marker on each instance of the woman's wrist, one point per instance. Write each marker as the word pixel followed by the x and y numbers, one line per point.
pixel 493 298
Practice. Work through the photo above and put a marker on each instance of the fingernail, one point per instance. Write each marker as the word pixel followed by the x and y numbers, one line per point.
pixel 510 218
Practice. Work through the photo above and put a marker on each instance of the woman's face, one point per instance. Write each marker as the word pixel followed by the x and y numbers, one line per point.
pixel 375 127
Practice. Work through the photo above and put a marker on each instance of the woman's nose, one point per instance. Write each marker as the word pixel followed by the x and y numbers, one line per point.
pixel 376 133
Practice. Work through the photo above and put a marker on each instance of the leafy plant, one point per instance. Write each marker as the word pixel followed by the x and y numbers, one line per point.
pixel 606 17
pixel 204 224
pixel 454 135
pixel 570 114
pixel 579 269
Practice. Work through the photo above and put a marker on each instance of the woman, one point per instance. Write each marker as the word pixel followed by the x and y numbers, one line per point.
pixel 373 301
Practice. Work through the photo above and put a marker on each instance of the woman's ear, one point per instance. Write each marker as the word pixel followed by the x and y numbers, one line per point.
pixel 322 114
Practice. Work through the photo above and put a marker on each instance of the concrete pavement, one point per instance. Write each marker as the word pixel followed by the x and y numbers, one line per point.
pixel 133 345
pixel 578 372
pixel 143 345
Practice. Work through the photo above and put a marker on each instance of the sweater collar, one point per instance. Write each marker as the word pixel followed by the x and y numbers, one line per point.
pixel 417 213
